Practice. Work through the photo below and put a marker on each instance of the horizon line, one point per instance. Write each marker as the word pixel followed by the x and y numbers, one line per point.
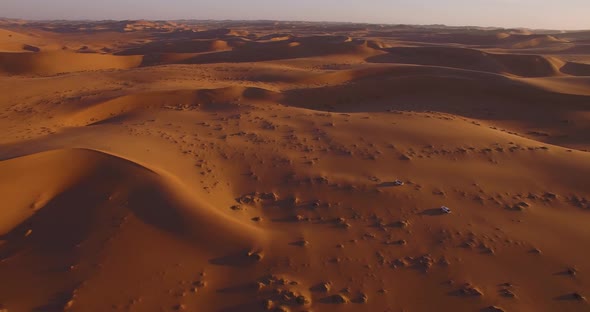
pixel 289 21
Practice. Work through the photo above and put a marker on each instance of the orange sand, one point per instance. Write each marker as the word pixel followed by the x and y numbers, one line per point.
pixel 159 166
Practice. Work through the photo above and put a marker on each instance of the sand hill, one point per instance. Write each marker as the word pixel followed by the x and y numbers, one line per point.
pixel 268 166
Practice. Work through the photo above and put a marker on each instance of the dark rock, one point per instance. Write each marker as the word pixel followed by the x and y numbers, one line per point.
pixel 336 299
pixel 578 296
pixel 535 251
pixel 571 271
pixel 504 292
pixel 255 255
pixel 405 157
pixel 302 300
pixel 322 287
pixel 363 298
pixel 300 243
pixel 469 291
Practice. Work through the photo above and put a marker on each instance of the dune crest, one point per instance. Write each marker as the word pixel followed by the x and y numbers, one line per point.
pixel 51 63
pixel 151 195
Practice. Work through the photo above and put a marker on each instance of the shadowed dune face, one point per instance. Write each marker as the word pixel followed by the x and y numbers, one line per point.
pixel 51 63
pixel 211 100
pixel 96 177
pixel 519 65
pixel 178 46
pixel 259 166
pixel 465 93
pixel 287 49
pixel 576 69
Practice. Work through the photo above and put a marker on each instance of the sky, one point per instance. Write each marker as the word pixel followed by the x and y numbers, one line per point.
pixel 548 14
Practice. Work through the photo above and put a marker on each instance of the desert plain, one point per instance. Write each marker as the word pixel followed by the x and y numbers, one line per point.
pixel 293 166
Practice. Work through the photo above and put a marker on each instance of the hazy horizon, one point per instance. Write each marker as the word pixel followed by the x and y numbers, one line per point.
pixel 284 20
pixel 565 15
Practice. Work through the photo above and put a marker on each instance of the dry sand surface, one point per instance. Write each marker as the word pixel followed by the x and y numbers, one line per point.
pixel 226 166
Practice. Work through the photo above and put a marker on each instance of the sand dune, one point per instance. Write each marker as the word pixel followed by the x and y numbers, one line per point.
pixel 520 65
pixel 68 214
pixel 149 194
pixel 50 63
pixel 11 41
pixel 276 37
pixel 384 84
pixel 292 166
pixel 294 48
pixel 212 100
pixel 194 46
pixel 176 51
pixel 529 41
pixel 576 69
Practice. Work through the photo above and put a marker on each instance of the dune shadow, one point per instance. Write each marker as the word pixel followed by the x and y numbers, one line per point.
pixel 117 119
pixel 570 297
pixel 472 94
pixel 61 224
pixel 58 302
pixel 576 69
pixel 567 272
pixel 154 208
pixel 241 258
pixel 387 184
pixel 469 59
pixel 31 48
pixel 454 57
pixel 319 288
pixel 333 299
pixel 73 215
pixel 461 293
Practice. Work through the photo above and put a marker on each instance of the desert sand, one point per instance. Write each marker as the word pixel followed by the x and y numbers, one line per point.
pixel 275 166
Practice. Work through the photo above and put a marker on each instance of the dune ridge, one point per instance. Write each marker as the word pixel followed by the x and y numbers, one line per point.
pixel 50 63
pixel 519 65
pixel 99 169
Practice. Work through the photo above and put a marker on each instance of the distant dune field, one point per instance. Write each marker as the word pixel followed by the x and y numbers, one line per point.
pixel 274 166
